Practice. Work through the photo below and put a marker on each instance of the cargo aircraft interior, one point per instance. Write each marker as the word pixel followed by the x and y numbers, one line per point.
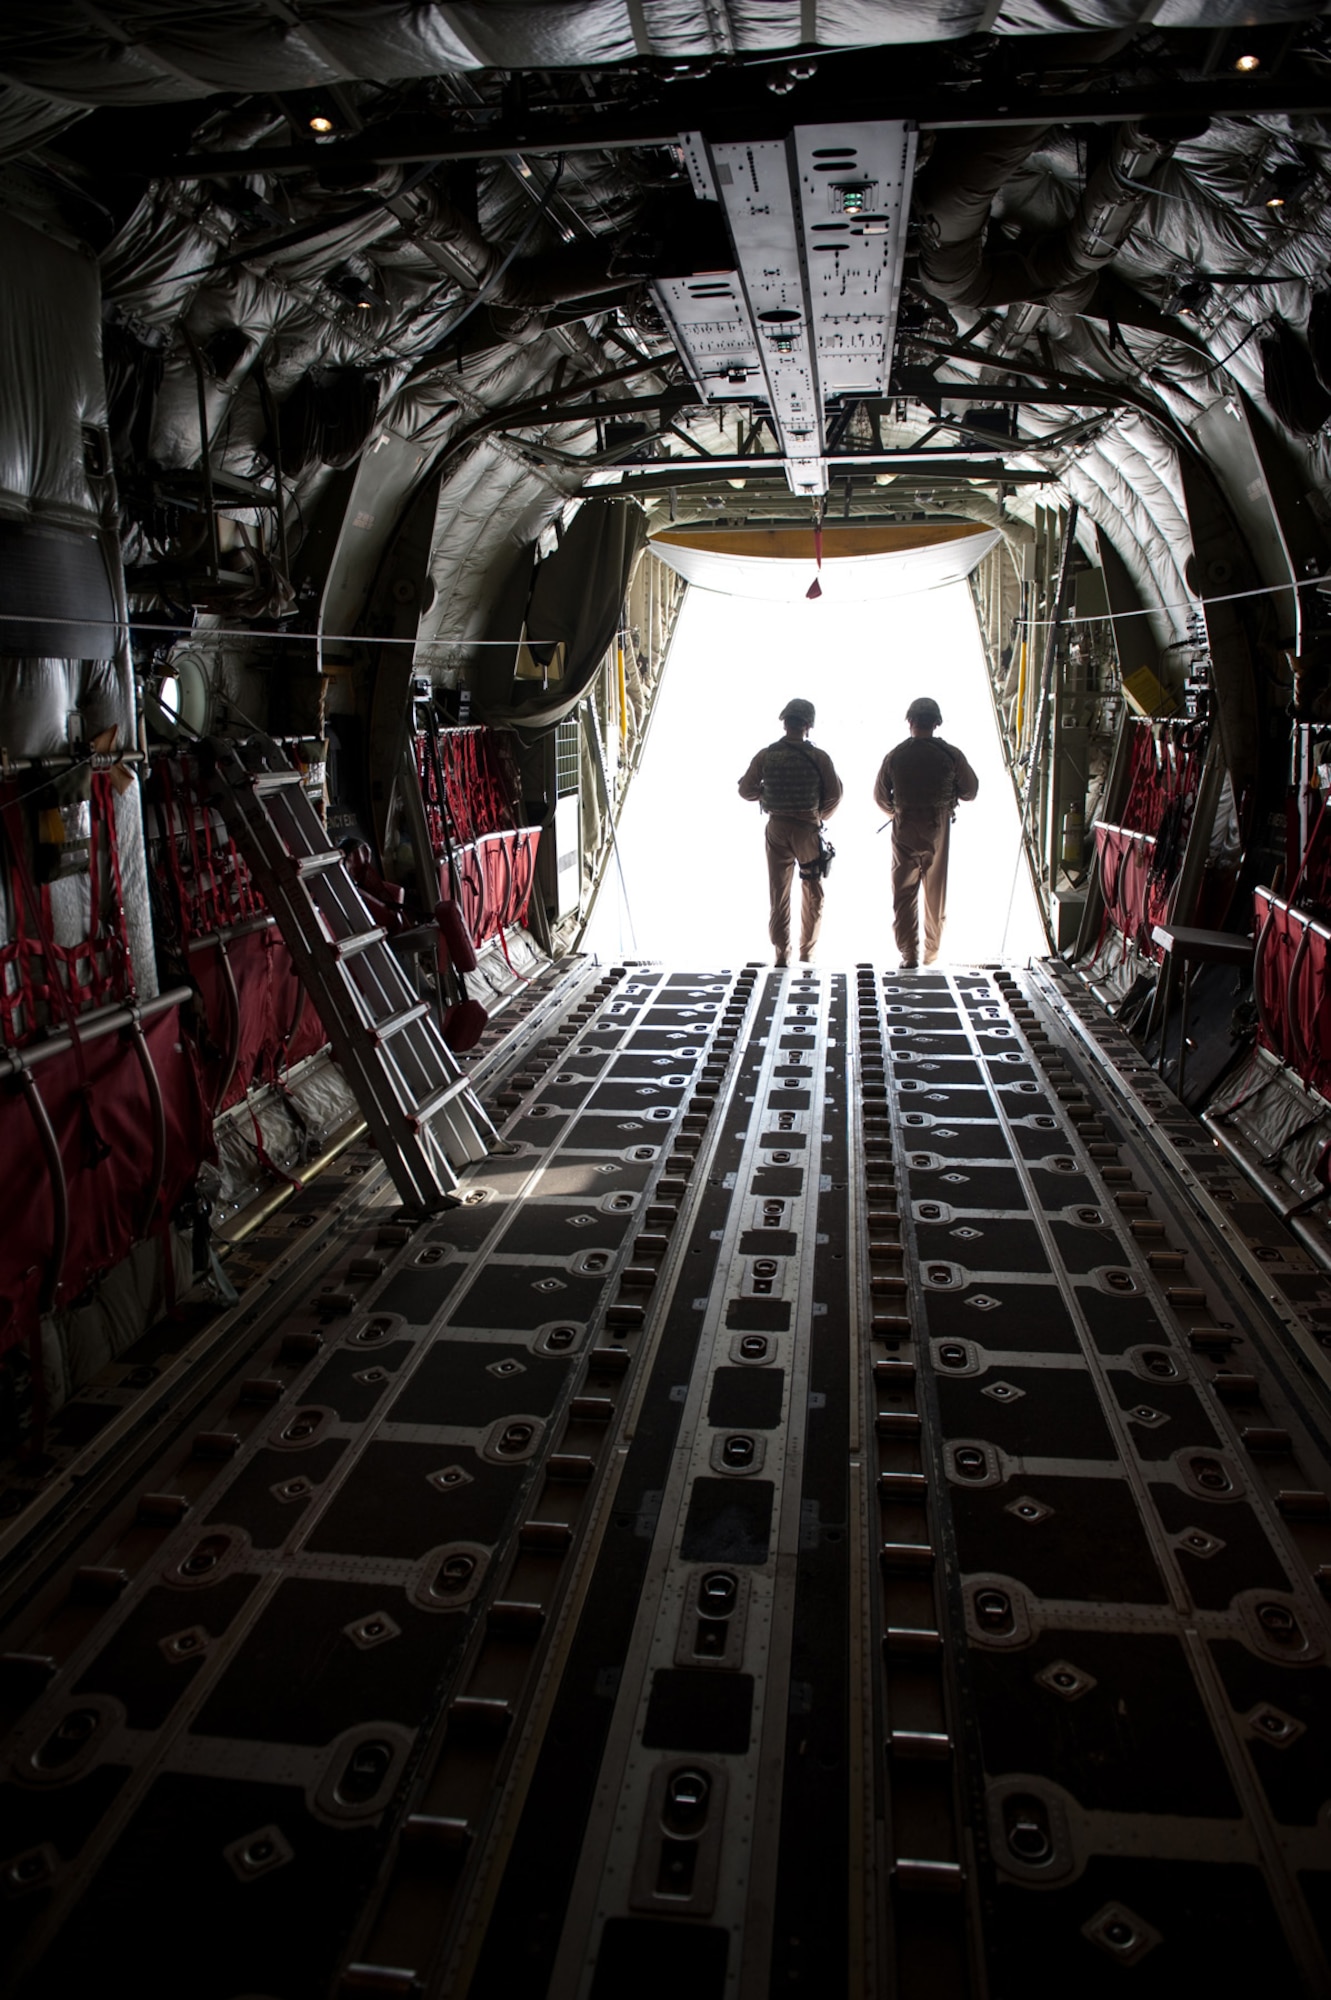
pixel 527 1469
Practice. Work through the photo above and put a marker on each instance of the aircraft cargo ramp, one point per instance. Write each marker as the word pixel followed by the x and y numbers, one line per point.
pixel 840 1506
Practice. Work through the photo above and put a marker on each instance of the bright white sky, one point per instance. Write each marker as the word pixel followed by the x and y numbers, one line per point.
pixel 692 850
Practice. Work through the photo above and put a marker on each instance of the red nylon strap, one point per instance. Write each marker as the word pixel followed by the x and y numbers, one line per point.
pixel 17 956
pixel 1161 771
pixel 455 760
pixel 268 1053
pixel 201 822
pixel 514 906
pixel 216 890
pixel 429 794
pixel 477 789
pixel 78 987
pixel 103 795
pixel 168 817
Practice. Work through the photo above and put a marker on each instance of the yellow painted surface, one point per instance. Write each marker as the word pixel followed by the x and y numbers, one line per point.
pixel 1147 696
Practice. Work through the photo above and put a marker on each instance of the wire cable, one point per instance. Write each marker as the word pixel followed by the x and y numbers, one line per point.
pixel 198 635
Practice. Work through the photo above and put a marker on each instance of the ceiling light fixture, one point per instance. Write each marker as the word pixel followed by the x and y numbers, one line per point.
pixel 1291 183
pixel 1191 297
pixel 354 288
pixel 1247 64
pixel 321 122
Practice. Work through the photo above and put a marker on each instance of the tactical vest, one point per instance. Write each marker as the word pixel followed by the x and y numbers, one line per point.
pixel 924 777
pixel 792 781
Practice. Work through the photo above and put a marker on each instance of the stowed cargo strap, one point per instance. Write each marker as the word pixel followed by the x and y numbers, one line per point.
pixel 476 797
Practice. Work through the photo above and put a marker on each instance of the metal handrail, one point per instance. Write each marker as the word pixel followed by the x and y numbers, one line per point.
pixel 91 1028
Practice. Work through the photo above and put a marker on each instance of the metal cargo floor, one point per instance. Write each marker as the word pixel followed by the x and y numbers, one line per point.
pixel 840 1507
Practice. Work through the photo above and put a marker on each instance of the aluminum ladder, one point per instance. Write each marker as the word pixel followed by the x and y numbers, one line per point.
pixel 421 1109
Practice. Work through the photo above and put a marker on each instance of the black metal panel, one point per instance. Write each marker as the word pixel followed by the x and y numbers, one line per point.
pixel 388 1506
pixel 270 1932
pixel 258 1495
pixel 304 1678
pixel 660 1961
pixel 689 1710
pixel 1048 1555
pixel 728 1521
pixel 469 1385
pixel 746 1397
pixel 419 1295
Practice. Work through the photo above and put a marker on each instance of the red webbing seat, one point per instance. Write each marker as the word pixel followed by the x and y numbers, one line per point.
pixel 1164 770
pixel 1290 986
pixel 1308 1010
pixel 1272 959
pixel 110 1201
pixel 495 878
pixel 257 1027
pixel 1133 902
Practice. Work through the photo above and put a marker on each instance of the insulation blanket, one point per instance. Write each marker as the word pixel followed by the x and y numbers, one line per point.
pixel 258 1027
pixel 102 1114
pixel 166 51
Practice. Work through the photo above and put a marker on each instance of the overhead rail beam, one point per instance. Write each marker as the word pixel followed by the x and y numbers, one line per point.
pixel 878 88
pixel 808 314
pixel 918 385
pixel 687 472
